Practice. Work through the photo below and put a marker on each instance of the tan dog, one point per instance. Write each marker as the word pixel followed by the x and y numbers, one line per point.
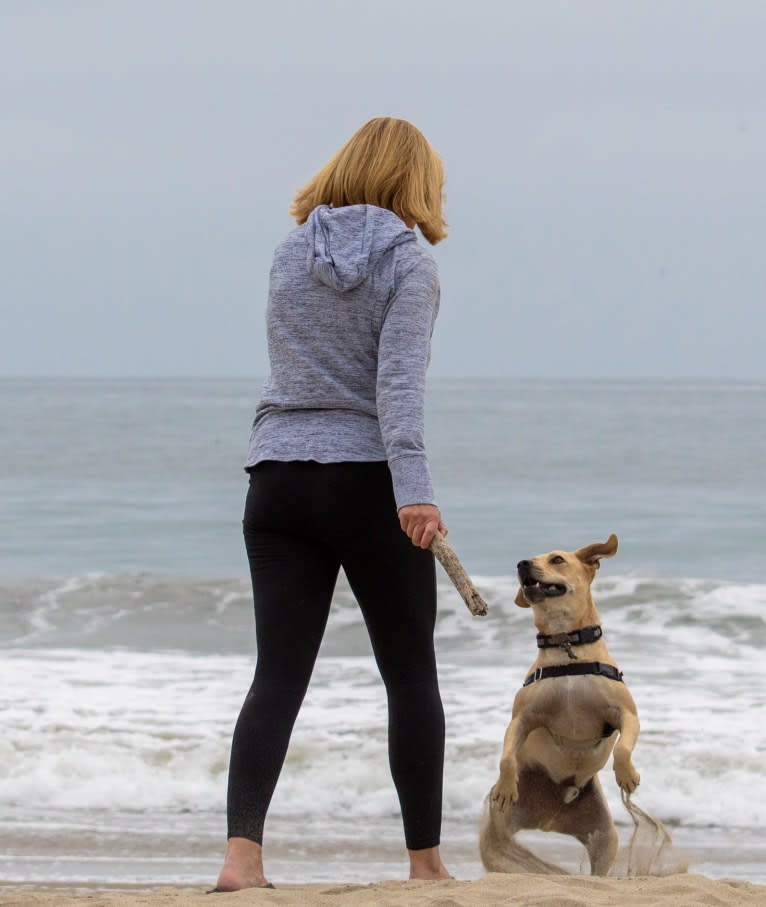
pixel 571 713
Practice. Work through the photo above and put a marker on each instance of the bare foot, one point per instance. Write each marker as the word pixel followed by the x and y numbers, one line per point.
pixel 242 866
pixel 427 864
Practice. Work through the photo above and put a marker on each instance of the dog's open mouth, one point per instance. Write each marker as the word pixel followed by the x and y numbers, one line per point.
pixel 535 586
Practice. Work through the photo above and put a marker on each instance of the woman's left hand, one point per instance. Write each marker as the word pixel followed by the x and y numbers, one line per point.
pixel 421 522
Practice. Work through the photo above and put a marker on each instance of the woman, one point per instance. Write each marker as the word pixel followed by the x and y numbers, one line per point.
pixel 339 476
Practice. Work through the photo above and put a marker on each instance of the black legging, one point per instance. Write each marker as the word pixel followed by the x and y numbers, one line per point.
pixel 303 521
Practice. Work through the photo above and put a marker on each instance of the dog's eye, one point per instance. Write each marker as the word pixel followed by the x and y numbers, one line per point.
pixel 558 559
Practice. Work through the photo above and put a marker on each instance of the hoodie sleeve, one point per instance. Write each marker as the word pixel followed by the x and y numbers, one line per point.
pixel 404 350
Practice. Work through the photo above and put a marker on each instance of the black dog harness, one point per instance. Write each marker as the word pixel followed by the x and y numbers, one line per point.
pixel 585 667
pixel 565 641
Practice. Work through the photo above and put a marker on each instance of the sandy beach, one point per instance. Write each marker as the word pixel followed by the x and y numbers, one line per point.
pixel 494 888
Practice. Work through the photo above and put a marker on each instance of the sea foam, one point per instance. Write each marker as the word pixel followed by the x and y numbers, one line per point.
pixel 145 729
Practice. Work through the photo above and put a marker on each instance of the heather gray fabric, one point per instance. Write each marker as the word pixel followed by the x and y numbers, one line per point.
pixel 352 303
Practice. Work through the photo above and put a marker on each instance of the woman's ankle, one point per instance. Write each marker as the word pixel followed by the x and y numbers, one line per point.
pixel 242 866
pixel 427 864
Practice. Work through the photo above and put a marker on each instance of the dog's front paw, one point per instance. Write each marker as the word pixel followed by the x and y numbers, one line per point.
pixel 627 777
pixel 505 793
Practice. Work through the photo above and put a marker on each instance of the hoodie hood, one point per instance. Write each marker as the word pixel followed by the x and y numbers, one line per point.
pixel 344 243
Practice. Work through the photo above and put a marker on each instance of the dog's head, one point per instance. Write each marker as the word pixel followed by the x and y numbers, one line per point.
pixel 561 573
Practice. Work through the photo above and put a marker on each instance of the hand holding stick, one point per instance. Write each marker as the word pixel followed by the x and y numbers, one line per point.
pixel 456 572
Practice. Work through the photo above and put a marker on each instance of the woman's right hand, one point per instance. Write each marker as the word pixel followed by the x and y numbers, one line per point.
pixel 421 522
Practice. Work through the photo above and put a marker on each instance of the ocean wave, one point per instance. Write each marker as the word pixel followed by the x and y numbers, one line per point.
pixel 145 611
pixel 151 731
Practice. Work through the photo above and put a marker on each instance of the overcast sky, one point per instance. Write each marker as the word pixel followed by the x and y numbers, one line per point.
pixel 606 177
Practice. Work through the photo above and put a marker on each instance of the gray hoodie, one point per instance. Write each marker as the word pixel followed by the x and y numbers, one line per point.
pixel 352 303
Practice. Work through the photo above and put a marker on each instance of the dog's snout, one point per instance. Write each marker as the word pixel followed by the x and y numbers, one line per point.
pixel 523 565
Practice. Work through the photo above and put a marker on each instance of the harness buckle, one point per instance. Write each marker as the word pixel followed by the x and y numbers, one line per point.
pixel 538 675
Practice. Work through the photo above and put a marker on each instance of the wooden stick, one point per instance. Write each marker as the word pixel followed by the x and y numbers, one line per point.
pixel 456 572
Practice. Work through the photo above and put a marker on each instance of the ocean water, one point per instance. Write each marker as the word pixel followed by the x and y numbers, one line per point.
pixel 127 640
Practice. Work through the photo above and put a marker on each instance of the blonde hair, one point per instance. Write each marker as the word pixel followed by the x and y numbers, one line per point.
pixel 388 163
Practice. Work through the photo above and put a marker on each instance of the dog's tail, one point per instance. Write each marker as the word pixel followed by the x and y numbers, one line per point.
pixel 500 852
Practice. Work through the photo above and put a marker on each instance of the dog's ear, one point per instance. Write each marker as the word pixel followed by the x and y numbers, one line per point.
pixel 592 554
pixel 520 600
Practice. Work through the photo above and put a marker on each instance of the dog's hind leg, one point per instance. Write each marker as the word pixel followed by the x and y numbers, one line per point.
pixel 588 819
pixel 539 799
pixel 601 844
pixel 501 852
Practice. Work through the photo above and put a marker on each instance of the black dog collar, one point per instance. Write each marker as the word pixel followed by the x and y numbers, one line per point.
pixel 575 638
pixel 586 667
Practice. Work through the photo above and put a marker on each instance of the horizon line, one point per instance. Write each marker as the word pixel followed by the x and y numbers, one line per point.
pixel 626 379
